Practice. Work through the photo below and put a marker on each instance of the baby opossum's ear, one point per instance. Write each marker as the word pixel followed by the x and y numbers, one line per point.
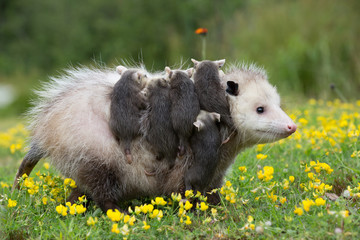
pixel 232 88
pixel 190 72
pixel 196 63
pixel 199 125
pixel 220 63
pixel 120 69
pixel 215 116
pixel 168 72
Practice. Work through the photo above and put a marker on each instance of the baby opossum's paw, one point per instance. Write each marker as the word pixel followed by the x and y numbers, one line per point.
pixel 213 198
pixel 128 156
pixel 181 151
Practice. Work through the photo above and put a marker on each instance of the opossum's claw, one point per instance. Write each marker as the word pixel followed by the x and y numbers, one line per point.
pixel 226 140
pixel 149 174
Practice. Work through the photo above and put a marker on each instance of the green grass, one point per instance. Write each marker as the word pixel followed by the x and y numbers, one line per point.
pixel 250 207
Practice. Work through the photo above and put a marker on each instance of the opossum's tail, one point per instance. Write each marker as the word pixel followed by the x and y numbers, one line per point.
pixel 29 162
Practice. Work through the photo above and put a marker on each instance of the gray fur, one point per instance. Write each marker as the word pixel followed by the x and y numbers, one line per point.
pixel 161 134
pixel 184 107
pixel 127 102
pixel 210 91
pixel 205 144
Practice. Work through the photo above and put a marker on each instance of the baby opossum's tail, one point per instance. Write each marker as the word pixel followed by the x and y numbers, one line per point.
pixel 29 162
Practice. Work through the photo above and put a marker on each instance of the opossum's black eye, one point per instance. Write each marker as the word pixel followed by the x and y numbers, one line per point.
pixel 260 110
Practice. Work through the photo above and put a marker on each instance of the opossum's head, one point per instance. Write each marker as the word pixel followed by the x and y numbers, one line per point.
pixel 172 74
pixel 218 63
pixel 205 116
pixel 255 106
pixel 139 75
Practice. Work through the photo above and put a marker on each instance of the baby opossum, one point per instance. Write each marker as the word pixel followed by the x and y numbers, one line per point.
pixel 184 105
pixel 70 124
pixel 160 133
pixel 127 102
pixel 209 89
pixel 205 145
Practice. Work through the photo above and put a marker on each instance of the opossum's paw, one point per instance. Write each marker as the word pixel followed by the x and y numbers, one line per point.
pixel 213 198
pixel 181 151
pixel 110 205
pixel 75 195
pixel 128 156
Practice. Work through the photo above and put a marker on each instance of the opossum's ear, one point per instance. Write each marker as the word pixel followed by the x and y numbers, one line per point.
pixel 120 69
pixel 196 63
pixel 221 73
pixel 199 125
pixel 190 72
pixel 232 88
pixel 216 116
pixel 168 72
pixel 220 63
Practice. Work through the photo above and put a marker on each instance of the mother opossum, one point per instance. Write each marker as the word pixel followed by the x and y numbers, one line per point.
pixel 69 123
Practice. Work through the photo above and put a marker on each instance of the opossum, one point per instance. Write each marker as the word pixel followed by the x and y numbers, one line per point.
pixel 205 145
pixel 184 105
pixel 126 105
pixel 70 125
pixel 160 133
pixel 209 89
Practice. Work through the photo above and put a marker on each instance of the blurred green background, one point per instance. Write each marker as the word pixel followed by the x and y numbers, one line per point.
pixel 305 45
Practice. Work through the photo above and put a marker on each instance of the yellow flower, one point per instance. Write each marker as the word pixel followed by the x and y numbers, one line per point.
pixel 176 197
pixel 115 216
pixel 12 203
pixel 46 165
pixel 188 205
pixel 80 208
pixel 311 176
pixel 283 200
pixel 307 204
pixel 72 209
pixel 146 226
pixel 158 201
pixel 250 219
pixel 243 169
pixel 213 212
pixel 291 178
pixel 44 200
pixel 4 185
pixel 261 156
pixel 298 211
pixel 189 193
pixel 272 196
pixel 147 208
pixel 154 213
pixel 61 209
pixel 132 220
pixel 267 174
pixel 203 206
pixel 115 228
pixel 320 202
pixel 188 220
pixel 252 226
pixel 344 214
pixel 92 221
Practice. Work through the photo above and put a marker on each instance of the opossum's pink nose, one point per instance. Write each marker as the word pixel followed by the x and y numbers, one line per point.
pixel 291 128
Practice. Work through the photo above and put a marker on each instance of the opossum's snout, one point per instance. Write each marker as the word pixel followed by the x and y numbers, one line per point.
pixel 291 128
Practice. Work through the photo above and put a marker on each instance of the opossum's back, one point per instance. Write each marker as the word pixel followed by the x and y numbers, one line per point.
pixel 74 121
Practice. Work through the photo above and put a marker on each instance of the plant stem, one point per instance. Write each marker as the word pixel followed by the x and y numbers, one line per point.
pixel 203 51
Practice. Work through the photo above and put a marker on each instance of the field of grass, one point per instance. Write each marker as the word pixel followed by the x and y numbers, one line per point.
pixel 306 186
